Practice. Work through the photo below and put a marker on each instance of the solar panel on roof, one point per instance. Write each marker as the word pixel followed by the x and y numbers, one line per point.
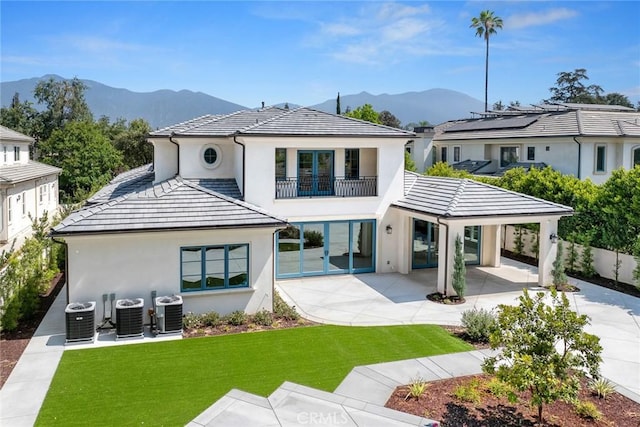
pixel 498 123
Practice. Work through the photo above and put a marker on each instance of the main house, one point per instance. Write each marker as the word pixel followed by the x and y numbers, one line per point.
pixel 28 189
pixel 233 203
pixel 584 140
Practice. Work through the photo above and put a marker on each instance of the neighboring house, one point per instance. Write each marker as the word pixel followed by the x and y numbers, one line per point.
pixel 233 203
pixel 584 140
pixel 421 148
pixel 28 189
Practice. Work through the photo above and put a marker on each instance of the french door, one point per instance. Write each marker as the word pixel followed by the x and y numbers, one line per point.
pixel 315 173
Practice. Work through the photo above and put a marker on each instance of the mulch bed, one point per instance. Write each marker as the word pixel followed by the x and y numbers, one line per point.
pixel 13 343
pixel 248 327
pixel 439 403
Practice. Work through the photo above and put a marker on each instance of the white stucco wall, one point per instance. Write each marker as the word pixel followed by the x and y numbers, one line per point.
pixel 192 164
pixel 131 265
pixel 165 159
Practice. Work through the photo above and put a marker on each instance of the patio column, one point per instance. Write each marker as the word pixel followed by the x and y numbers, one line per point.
pixel 491 244
pixel 547 250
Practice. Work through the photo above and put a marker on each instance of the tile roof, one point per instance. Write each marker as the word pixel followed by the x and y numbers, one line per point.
pixel 465 198
pixel 548 124
pixel 20 172
pixel 228 187
pixel 276 121
pixel 123 184
pixel 174 204
pixel 12 135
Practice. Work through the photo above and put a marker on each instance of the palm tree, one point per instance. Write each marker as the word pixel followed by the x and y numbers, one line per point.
pixel 486 25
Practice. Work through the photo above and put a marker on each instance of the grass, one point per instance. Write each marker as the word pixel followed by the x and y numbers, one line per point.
pixel 169 383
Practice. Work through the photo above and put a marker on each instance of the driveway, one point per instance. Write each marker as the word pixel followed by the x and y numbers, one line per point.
pixel 392 299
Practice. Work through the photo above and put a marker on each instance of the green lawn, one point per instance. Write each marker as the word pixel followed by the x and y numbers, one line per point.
pixel 171 382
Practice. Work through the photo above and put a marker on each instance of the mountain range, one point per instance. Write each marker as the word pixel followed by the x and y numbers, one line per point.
pixel 166 107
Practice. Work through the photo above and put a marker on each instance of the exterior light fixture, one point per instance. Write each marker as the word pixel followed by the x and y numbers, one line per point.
pixel 553 238
pixel 389 229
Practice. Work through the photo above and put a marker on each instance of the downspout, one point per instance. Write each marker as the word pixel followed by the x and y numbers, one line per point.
pixel 446 255
pixel 243 162
pixel 66 263
pixel 575 138
pixel 177 147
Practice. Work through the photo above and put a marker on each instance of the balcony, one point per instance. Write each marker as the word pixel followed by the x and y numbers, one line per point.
pixel 326 186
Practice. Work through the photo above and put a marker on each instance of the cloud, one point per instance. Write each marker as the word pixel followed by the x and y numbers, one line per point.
pixel 535 19
pixel 99 45
pixel 377 33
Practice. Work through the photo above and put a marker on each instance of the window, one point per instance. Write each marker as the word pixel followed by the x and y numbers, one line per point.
pixel 9 210
pixel 456 154
pixel 508 155
pixel 43 192
pixel 211 156
pixel 281 164
pixel 443 154
pixel 16 153
pixel 636 157
pixel 531 153
pixel 601 161
pixel 24 203
pixel 352 163
pixel 4 152
pixel 214 267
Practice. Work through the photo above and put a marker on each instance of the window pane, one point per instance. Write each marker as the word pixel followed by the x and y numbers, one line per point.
pixel 210 155
pixel 281 163
pixel 456 154
pixel 443 156
pixel 531 153
pixel 352 163
pixel 289 250
pixel 214 259
pixel 238 256
pixel 600 158
pixel 362 244
pixel 191 268
pixel 636 156
pixel 313 251
pixel 508 155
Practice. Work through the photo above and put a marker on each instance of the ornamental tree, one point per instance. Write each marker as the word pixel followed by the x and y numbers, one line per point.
pixel 544 348
pixel 459 280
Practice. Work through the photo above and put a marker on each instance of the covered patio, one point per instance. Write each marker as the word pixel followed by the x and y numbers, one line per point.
pixel 448 208
pixel 394 298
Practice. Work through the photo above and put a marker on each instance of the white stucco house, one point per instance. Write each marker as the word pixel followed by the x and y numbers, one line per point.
pixel 584 140
pixel 233 203
pixel 28 189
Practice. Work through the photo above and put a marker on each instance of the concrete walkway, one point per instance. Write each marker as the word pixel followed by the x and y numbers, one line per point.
pixel 368 299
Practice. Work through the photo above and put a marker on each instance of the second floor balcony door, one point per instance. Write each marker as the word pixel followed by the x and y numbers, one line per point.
pixel 315 173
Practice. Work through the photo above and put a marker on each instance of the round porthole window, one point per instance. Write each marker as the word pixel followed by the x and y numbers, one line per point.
pixel 210 155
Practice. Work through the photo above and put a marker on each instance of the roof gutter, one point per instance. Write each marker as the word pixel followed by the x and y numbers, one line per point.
pixel 575 138
pixel 244 168
pixel 178 149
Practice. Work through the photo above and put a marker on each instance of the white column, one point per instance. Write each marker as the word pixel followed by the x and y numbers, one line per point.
pixel 491 243
pixel 548 251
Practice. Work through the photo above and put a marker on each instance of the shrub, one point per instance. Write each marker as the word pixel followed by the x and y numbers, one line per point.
pixel 500 388
pixel 559 276
pixel 602 387
pixel 587 410
pixel 192 321
pixel 586 261
pixel 469 392
pixel 263 317
pixel 519 242
pixel 211 318
pixel 236 318
pixel 478 323
pixel 282 310
pixel 417 387
pixel 313 239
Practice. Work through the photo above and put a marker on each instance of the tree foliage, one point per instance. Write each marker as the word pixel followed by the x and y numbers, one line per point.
pixel 544 348
pixel 559 276
pixel 87 158
pixel 20 116
pixel 459 280
pixel 388 119
pixel 364 112
pixel 571 87
pixel 409 164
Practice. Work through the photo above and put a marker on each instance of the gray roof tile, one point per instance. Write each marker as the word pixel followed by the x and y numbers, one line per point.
pixel 175 204
pixel 26 171
pixel 464 198
pixel 12 135
pixel 276 121
pixel 563 123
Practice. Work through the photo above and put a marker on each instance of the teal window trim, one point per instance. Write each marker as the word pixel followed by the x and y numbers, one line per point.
pixel 326 271
pixel 228 280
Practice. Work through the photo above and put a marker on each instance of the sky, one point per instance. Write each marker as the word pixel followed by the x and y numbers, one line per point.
pixel 305 52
